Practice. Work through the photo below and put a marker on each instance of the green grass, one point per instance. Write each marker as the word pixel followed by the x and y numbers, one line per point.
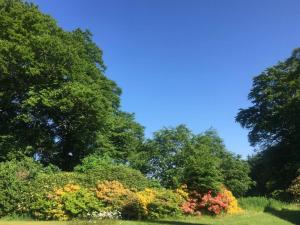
pixel 249 218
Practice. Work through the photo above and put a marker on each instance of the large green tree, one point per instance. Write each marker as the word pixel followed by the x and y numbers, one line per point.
pixel 176 156
pixel 55 102
pixel 274 124
pixel 274 115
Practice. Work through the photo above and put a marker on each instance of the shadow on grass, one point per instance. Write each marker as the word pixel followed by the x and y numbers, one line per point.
pixel 174 222
pixel 292 216
pixel 111 222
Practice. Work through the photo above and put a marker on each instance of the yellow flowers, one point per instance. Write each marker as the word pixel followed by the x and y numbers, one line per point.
pixel 233 207
pixel 111 190
pixel 146 197
pixel 182 191
pixel 67 189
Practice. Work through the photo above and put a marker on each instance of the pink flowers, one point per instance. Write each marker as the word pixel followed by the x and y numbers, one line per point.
pixel 216 204
pixel 198 203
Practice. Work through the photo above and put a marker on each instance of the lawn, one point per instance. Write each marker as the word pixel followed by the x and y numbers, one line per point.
pixel 273 217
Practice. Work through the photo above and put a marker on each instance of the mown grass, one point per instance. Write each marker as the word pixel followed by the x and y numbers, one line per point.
pixel 258 211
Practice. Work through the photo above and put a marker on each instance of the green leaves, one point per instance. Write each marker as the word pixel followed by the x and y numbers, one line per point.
pixel 54 95
pixel 176 156
pixel 274 124
pixel 275 96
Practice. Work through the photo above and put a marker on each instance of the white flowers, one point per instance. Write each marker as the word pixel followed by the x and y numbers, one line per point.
pixel 104 215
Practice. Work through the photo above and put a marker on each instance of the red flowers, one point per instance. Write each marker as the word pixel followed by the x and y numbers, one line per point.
pixel 216 204
pixel 206 203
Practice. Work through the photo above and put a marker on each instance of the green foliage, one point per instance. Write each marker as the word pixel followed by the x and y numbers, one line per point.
pixel 201 172
pixel 95 169
pixel 67 202
pixel 235 174
pixel 274 116
pixel 16 192
pixel 274 124
pixel 294 189
pixel 55 99
pixel 259 204
pixel 176 156
pixel 165 204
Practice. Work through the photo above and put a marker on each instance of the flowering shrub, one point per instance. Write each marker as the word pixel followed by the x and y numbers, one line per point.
pixel 190 207
pixel 233 206
pixel 113 193
pixel 214 204
pixel 146 197
pixel 104 215
pixel 222 202
pixel 183 191
pixel 116 197
pixel 66 203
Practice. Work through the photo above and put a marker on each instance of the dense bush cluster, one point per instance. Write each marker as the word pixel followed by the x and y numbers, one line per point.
pixel 46 193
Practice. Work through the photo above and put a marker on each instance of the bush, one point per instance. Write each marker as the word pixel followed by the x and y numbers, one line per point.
pixel 16 190
pixel 116 197
pixel 70 201
pixel 209 203
pixel 94 170
pixel 166 203
pixel 294 189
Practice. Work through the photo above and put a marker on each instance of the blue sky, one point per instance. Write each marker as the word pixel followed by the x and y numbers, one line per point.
pixel 186 61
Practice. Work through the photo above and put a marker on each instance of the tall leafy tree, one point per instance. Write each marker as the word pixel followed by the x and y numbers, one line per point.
pixel 274 124
pixel 274 115
pixel 55 102
pixel 176 156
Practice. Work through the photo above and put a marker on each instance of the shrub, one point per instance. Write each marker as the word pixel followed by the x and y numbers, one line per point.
pixel 145 197
pixel 166 203
pixel 233 206
pixel 94 170
pixel 116 197
pixel 16 190
pixel 70 201
pixel 215 204
pixel 294 189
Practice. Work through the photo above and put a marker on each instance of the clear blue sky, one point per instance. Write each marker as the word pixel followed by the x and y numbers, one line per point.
pixel 186 61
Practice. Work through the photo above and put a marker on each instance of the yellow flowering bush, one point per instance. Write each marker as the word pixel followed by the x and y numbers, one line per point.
pixel 67 202
pixel 117 197
pixel 233 206
pixel 183 191
pixel 112 193
pixel 145 197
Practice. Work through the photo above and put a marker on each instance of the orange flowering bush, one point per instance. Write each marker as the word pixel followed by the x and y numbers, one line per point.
pixel 113 193
pixel 117 197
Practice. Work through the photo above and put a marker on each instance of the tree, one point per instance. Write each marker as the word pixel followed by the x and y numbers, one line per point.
pixel 55 102
pixel 176 156
pixel 274 124
pixel 274 116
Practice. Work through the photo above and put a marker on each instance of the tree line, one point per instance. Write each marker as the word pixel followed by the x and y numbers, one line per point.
pixel 58 107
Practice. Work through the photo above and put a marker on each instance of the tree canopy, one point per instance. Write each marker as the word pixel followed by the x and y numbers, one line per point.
pixel 274 115
pixel 274 124
pixel 55 101
pixel 177 156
